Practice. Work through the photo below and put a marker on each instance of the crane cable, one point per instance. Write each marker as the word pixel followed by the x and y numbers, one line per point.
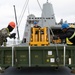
pixel 28 10
pixel 21 16
pixel 57 57
pixel 22 12
pixel 44 14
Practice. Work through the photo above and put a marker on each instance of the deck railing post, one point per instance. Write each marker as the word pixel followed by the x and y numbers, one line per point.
pixel 12 55
pixel 29 56
pixel 64 54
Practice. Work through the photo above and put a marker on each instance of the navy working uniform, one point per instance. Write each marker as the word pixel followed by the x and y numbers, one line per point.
pixel 68 33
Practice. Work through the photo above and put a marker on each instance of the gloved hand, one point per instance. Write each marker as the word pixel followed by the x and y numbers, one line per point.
pixel 5 40
pixel 55 38
pixel 12 35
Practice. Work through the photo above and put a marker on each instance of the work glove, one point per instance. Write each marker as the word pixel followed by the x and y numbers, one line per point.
pixel 5 40
pixel 55 38
pixel 13 35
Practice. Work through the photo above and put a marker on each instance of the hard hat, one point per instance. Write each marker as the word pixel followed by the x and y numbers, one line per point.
pixel 71 26
pixel 64 25
pixel 35 22
pixel 12 24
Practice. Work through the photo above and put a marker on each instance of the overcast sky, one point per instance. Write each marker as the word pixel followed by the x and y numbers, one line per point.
pixel 63 9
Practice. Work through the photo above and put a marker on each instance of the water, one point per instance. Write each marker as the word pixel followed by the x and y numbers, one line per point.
pixel 37 71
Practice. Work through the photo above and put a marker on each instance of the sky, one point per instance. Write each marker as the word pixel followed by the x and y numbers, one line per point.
pixel 63 9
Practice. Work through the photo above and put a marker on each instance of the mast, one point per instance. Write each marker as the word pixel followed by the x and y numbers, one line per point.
pixel 16 22
pixel 47 1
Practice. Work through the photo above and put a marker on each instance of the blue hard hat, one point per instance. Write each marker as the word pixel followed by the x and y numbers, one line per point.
pixel 35 22
pixel 64 25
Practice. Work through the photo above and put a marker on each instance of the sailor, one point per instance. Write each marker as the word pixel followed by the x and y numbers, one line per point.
pixel 36 25
pixel 68 32
pixel 5 32
pixel 68 42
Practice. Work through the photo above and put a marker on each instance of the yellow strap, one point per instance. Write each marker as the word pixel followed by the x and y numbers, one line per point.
pixel 72 36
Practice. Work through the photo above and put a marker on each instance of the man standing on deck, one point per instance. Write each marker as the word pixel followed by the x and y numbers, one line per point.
pixel 68 32
pixel 36 25
pixel 5 32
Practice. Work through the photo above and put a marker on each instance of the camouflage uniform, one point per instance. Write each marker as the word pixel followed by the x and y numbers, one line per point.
pixel 4 33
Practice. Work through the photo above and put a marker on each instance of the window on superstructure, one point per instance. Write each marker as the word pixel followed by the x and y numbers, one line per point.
pixel 40 18
pixel 29 18
pixel 52 17
pixel 45 20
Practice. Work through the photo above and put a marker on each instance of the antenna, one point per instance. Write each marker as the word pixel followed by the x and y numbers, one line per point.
pixel 47 1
